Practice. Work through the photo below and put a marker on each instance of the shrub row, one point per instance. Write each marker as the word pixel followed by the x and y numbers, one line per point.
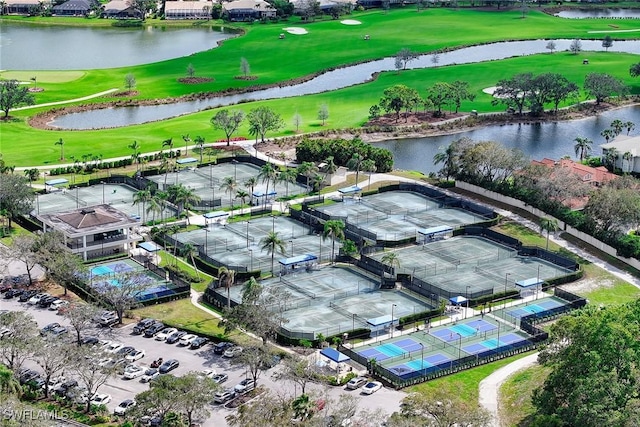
pixel 342 150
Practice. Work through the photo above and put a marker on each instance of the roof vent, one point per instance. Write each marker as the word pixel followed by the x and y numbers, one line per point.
pixel 87 211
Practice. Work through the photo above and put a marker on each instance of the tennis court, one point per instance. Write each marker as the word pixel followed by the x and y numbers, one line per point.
pixel 547 304
pixel 106 274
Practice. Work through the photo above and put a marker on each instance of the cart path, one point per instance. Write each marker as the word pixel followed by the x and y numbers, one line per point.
pixel 68 101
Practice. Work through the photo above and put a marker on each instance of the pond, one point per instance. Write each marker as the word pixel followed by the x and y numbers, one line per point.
pixel 552 140
pixel 333 80
pixel 599 13
pixel 85 48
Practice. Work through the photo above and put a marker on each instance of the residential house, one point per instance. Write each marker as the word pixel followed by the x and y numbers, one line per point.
pixel 187 9
pixel 626 152
pixel 248 10
pixel 93 232
pixel 23 7
pixel 73 8
pixel 120 9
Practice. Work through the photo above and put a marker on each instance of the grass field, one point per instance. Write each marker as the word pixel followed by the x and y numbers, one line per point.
pixel 515 395
pixel 348 107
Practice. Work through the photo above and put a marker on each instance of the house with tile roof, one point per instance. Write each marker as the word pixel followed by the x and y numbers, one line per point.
pixel 95 231
pixel 588 174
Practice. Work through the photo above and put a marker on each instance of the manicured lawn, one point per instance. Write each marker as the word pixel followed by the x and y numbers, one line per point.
pixel 515 394
pixel 347 107
pixel 167 259
pixel 465 384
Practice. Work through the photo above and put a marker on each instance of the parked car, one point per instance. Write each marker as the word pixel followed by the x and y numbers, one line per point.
pixel 356 383
pixel 60 330
pixel 220 378
pixel 46 301
pixel 135 355
pixel 36 298
pixel 57 304
pixel 5 285
pixel 224 396
pixel 27 375
pixel 50 327
pixel 125 351
pixel 168 366
pixel 89 341
pixel 124 406
pixel 187 339
pixel 26 295
pixel 133 371
pixel 62 388
pixel 140 327
pixel 221 347
pixel 371 387
pixel 175 337
pixel 232 352
pixel 198 342
pixel 109 318
pixel 209 373
pixel 149 375
pixel 12 293
pixel 245 385
pixel 113 347
pixel 100 399
pixel 153 329
pixel 164 334
pixel 5 332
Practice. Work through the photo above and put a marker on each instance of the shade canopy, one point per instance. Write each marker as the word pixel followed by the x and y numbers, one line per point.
pixel 216 214
pixel 533 282
pixel 259 193
pixel 56 181
pixel 297 259
pixel 458 300
pixel 150 246
pixel 334 355
pixel 435 230
pixel 186 161
pixel 382 320
pixel 350 189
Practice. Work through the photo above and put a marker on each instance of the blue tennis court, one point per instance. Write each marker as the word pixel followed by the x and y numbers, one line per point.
pixel 494 344
pixel 463 330
pixel 398 348
pixel 113 268
pixel 417 365
pixel 539 307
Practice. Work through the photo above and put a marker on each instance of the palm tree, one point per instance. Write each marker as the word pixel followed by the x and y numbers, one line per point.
pixel 303 407
pixel 330 166
pixel 582 146
pixel 32 174
pixel 229 185
pixel 316 182
pixel 391 260
pixel 333 228
pixel 370 167
pixel 267 173
pixel 630 126
pixel 190 251
pixel 142 196
pixel 626 160
pixel 448 157
pixel 9 384
pixel 243 196
pixel 607 134
pixel 355 163
pixel 617 126
pixel 272 243
pixel 173 229
pixel 226 278
pixel 135 156
pixel 186 140
pixel 610 158
pixel 307 169
pixel 154 207
pixel 60 142
pixel 550 225
pixel 183 197
pixel 251 185
pixel 200 143
pixel 287 176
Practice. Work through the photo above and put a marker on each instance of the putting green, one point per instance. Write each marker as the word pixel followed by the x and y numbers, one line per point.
pixel 43 76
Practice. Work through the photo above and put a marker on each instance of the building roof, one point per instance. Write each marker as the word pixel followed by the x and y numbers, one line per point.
pixel 185 5
pixel 257 5
pixel 88 220
pixel 116 6
pixel 624 144
pixel 586 173
pixel 74 5
pixel 24 2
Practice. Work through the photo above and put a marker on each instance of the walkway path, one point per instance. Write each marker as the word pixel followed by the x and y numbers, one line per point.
pixel 68 101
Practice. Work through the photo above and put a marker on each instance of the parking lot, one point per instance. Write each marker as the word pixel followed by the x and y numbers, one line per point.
pixel 120 389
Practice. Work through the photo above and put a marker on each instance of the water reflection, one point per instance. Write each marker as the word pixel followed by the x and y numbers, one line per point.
pixel 599 13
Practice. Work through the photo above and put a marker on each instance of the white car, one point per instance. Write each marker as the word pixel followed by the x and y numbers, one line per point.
pixel 104 362
pixel 232 352
pixel 371 387
pixel 58 304
pixel 133 371
pixel 209 373
pixel 124 406
pixel 187 339
pixel 164 334
pixel 36 299
pixel 100 399
pixel 135 355
pixel 149 375
pixel 113 347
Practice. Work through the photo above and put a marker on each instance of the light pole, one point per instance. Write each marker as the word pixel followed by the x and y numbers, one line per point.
pixel 251 259
pixel 273 223
pixel 320 256
pixel 206 240
pixel 102 182
pixel 291 241
pixel 421 357
pixel 506 277
pixel 538 284
pixel 392 307
pixel 247 233
pixel 353 322
pixel 467 310
pixel 235 169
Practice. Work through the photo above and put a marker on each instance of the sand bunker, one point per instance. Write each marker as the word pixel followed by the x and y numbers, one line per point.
pixel 295 30
pixel 489 90
pixel 613 31
pixel 350 22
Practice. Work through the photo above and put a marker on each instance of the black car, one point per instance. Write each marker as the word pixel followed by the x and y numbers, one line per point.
pixel 153 329
pixel 142 325
pixel 26 295
pixel 61 389
pixel 89 341
pixel 50 327
pixel 221 347
pixel 124 351
pixel 198 342
pixel 46 301
pixel 175 337
pixel 58 331
pixel 168 366
pixel 27 376
pixel 12 293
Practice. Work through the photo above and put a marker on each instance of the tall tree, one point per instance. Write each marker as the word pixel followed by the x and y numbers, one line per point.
pixel 251 183
pixel 226 278
pixel 122 293
pixel 245 69
pixel 582 147
pixel 551 45
pixel 228 122
pixel 18 344
pixel 549 225
pixel 440 94
pixel 142 197
pixel 268 173
pixel 630 126
pixel 355 163
pixel 264 120
pixel 607 42
pixel 32 174
pixel 334 229
pixel 199 140
pixel 575 47
pixel 60 142
pixel 601 86
pixel 88 372
pixel 186 140
pixel 513 92
pixel 194 396
pixel 12 95
pixel 23 249
pixel 399 97
pixel 460 92
pixel 449 157
pixel 81 318
pixel 287 176
pixel 634 70
pixel 617 126
pixel 190 251
pixel 323 113
pixel 391 260
pixel 52 356
pixel 307 169
pixel 369 166
pixel 229 185
pixel 403 57
pixel 273 243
